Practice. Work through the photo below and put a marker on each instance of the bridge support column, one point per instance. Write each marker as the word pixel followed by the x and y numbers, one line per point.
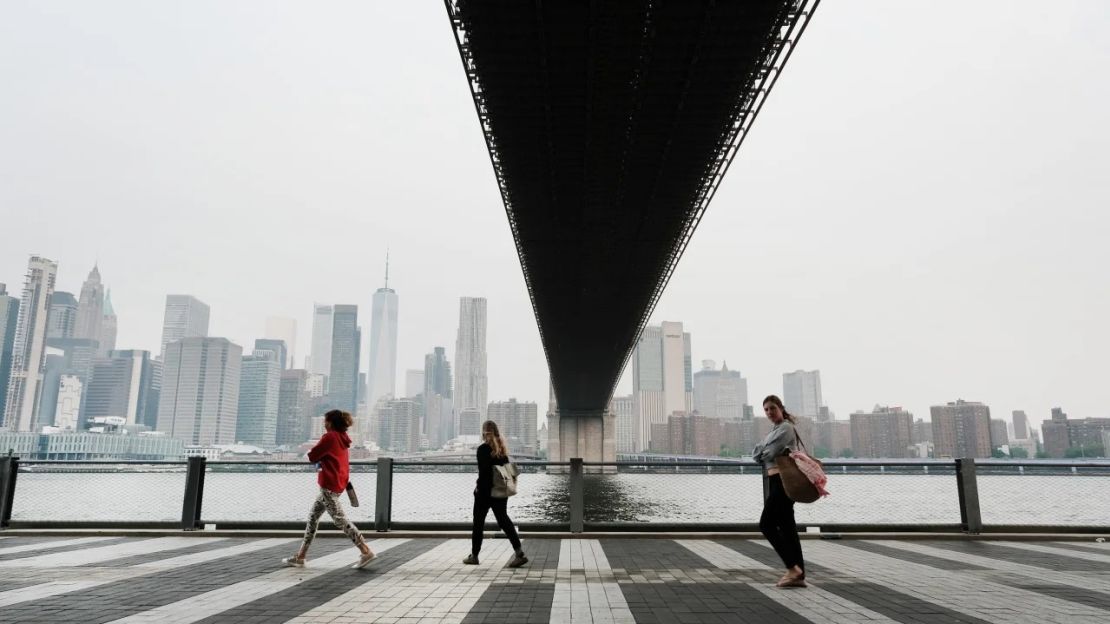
pixel 591 436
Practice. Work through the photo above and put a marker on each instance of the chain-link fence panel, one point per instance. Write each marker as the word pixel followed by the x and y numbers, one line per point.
pixel 445 493
pixel 93 492
pixel 1031 495
pixel 260 492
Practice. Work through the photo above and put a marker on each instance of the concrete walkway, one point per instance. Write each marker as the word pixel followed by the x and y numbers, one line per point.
pixel 605 580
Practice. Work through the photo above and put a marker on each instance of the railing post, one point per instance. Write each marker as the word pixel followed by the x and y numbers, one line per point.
pixel 383 501
pixel 194 494
pixel 9 468
pixel 577 497
pixel 967 486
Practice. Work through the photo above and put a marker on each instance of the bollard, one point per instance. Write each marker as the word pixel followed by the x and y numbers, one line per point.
pixel 383 501
pixel 194 494
pixel 967 487
pixel 577 497
pixel 9 469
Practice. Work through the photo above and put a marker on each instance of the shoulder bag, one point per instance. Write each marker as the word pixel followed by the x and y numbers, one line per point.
pixel 504 480
pixel 797 485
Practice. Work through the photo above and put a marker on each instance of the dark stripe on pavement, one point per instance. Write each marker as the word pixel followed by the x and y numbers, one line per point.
pixel 291 602
pixel 47 550
pixel 111 601
pixel 904 555
pixel 1020 555
pixel 704 603
pixel 543 554
pixel 896 605
pixel 1070 593
pixel 513 603
pixel 770 558
pixel 163 554
pixel 632 555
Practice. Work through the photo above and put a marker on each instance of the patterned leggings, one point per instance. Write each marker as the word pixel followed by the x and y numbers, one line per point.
pixel 329 501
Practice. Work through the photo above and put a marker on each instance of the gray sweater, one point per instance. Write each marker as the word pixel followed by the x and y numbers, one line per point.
pixel 782 437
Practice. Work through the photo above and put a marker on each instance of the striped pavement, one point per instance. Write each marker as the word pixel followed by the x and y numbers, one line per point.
pixel 616 580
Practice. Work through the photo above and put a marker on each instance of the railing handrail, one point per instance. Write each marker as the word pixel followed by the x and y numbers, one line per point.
pixel 723 462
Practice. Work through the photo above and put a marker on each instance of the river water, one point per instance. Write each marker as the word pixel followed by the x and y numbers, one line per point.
pixel 624 497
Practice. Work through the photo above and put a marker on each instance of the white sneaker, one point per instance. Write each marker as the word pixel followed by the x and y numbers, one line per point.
pixel 364 560
pixel 293 562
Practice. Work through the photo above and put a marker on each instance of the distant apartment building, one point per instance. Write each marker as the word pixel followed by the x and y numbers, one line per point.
pixel 719 393
pixel 885 432
pixel 961 429
pixel 1021 425
pixel 518 422
pixel 200 390
pixel 662 379
pixel 999 434
pixel 688 434
pixel 1081 436
pixel 399 425
pixel 801 394
pixel 834 436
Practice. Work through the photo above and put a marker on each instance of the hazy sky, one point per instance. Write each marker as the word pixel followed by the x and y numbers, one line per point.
pixel 921 211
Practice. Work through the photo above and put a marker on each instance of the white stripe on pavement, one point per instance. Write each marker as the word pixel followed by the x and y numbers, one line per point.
pixel 1049 550
pixel 585 590
pixel 211 603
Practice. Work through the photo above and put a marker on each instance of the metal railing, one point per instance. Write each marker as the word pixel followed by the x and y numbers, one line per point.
pixel 965 495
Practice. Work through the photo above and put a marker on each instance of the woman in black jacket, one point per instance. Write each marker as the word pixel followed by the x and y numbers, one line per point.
pixel 492 452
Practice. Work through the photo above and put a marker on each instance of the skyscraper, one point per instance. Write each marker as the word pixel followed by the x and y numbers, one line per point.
pixel 284 329
pixel 801 393
pixel 275 345
pixel 382 376
pixel 346 340
pixel 120 385
pixel 414 382
pixel 719 393
pixel 961 429
pixel 200 390
pixel 186 317
pixel 90 308
pixel 322 324
pixel 259 393
pixel 439 424
pixel 471 383
pixel 294 408
pixel 108 326
pixel 662 379
pixel 29 348
pixel 62 318
pixel 9 314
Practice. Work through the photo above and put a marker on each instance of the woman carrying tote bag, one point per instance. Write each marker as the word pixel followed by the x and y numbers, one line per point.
pixel 492 452
pixel 777 521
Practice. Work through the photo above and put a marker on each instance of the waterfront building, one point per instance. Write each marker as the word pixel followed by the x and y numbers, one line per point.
pixel 885 432
pixel 801 394
pixel 1021 425
pixel 719 393
pixel 518 422
pixel 624 412
pixel 119 386
pixel 111 443
pixel 399 425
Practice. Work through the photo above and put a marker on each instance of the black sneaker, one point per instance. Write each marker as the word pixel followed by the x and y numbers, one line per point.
pixel 471 559
pixel 518 560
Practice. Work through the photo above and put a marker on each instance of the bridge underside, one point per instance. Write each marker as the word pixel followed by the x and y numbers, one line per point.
pixel 610 125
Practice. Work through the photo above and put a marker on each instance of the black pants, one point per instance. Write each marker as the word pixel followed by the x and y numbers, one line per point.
pixel 482 504
pixel 777 525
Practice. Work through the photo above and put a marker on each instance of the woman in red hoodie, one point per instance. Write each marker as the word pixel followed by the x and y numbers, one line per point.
pixel 333 459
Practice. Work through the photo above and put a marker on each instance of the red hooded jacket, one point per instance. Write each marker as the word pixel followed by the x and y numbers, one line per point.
pixel 334 459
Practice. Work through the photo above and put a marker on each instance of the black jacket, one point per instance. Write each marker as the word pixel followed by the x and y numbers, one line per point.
pixel 486 462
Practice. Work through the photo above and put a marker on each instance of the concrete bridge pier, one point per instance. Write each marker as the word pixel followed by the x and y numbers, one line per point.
pixel 591 435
